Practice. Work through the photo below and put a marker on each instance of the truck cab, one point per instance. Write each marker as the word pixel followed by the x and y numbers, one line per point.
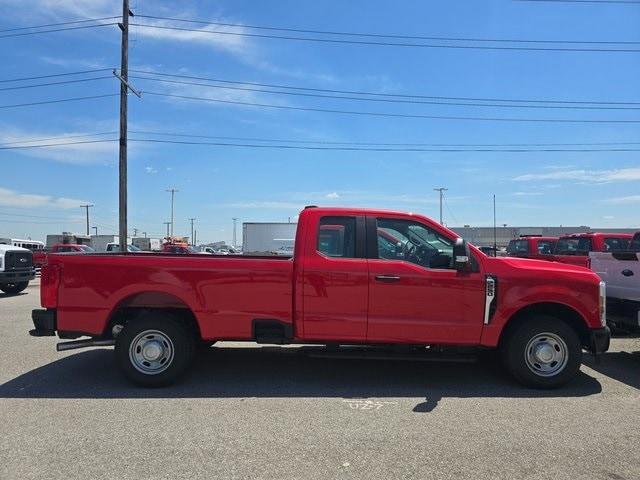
pixel 574 249
pixel 538 247
pixel 16 268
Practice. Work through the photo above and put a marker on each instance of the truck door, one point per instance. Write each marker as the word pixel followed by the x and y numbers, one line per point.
pixel 415 294
pixel 335 280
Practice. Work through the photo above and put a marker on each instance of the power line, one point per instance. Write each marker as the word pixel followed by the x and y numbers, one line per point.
pixel 398 144
pixel 59 144
pixel 389 115
pixel 387 44
pixel 24 34
pixel 390 36
pixel 304 142
pixel 377 149
pixel 377 94
pixel 61 100
pixel 384 100
pixel 40 77
pixel 71 22
pixel 60 137
pixel 48 84
pixel 335 148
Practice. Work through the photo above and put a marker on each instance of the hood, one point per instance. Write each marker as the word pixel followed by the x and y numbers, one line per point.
pixel 6 248
pixel 535 265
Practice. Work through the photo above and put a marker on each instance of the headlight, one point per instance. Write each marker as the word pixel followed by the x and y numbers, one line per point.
pixel 603 303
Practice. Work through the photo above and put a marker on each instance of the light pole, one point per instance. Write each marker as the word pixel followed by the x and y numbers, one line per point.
pixel 193 241
pixel 173 192
pixel 167 224
pixel 441 190
pixel 96 230
pixel 235 220
pixel 86 207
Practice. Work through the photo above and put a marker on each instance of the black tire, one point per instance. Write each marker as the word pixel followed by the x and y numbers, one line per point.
pixel 13 288
pixel 165 332
pixel 547 332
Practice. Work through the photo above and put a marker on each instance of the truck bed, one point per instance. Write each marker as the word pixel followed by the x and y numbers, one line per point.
pixel 225 293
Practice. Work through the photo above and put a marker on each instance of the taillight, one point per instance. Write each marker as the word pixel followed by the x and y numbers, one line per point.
pixel 49 282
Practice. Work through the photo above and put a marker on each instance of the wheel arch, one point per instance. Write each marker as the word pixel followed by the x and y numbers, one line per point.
pixel 134 304
pixel 561 311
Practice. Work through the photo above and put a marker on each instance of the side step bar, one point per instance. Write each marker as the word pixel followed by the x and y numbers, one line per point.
pixel 62 346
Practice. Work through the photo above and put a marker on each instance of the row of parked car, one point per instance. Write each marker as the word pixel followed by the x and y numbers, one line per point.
pixel 615 257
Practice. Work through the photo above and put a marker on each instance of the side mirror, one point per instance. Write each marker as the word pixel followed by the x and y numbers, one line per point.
pixel 461 255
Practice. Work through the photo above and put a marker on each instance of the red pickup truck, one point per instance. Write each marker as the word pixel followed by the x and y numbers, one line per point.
pixel 358 276
pixel 574 249
pixel 40 256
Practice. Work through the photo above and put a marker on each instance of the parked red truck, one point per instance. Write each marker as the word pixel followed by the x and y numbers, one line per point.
pixel 574 249
pixel 357 276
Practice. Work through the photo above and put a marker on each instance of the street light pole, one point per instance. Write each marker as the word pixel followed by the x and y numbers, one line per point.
pixel 96 230
pixel 235 220
pixel 173 192
pixel 441 190
pixel 167 224
pixel 86 207
pixel 193 242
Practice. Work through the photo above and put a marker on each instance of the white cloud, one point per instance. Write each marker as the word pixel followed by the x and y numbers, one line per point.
pixel 586 176
pixel 628 200
pixel 526 194
pixel 332 195
pixel 150 170
pixel 11 198
pixel 76 153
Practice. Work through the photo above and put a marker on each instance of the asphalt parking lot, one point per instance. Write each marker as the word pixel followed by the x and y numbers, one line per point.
pixel 267 413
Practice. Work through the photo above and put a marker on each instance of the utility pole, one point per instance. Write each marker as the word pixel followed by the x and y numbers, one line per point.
pixel 441 190
pixel 86 207
pixel 167 224
pixel 195 232
pixel 124 90
pixel 96 230
pixel 145 234
pixel 135 232
pixel 173 193
pixel 193 242
pixel 235 220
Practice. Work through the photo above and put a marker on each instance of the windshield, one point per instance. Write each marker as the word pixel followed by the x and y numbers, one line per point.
pixel 85 248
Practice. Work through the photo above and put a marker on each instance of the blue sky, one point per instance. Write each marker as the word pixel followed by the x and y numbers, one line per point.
pixel 41 189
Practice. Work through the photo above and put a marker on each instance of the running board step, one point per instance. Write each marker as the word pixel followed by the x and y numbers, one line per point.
pixel 376 354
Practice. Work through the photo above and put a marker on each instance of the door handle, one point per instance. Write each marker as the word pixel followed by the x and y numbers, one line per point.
pixel 627 273
pixel 387 278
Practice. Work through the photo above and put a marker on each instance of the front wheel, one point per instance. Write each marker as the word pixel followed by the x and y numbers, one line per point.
pixel 542 352
pixel 13 288
pixel 154 349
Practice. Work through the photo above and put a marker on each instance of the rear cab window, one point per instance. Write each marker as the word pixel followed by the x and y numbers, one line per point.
pixel 337 237
pixel 574 246
pixel 616 244
pixel 518 247
pixel 546 247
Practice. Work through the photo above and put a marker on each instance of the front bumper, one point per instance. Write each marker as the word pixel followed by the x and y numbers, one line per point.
pixel 599 339
pixel 45 323
pixel 17 276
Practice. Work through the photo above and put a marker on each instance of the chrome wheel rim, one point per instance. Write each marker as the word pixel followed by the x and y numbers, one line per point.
pixel 546 354
pixel 151 352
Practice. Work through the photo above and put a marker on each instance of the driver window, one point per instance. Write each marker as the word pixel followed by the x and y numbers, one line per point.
pixel 413 242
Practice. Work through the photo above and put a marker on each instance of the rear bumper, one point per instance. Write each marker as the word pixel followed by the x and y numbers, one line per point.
pixel 599 340
pixel 17 276
pixel 45 323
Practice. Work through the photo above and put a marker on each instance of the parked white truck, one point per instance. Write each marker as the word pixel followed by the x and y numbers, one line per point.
pixel 621 272
pixel 16 268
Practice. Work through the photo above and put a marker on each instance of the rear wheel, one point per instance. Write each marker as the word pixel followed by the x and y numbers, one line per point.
pixel 154 349
pixel 13 288
pixel 542 352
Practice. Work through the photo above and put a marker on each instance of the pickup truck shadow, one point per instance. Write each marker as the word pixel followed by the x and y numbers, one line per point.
pixel 621 366
pixel 9 295
pixel 272 372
